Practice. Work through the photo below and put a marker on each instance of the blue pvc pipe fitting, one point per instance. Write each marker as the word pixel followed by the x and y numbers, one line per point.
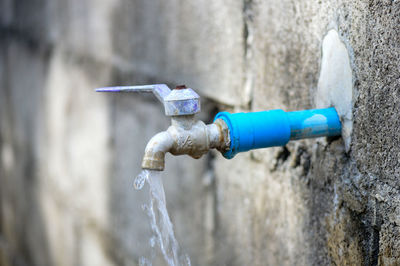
pixel 257 130
pixel 314 123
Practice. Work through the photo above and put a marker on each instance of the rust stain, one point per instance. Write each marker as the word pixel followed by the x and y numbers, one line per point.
pixel 221 135
pixel 180 87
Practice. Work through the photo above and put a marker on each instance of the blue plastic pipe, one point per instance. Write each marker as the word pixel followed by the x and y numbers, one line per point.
pixel 257 130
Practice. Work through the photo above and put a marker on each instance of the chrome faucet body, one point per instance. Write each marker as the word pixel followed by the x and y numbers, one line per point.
pixel 186 135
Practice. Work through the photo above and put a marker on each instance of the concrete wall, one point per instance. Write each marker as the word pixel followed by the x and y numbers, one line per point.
pixel 69 156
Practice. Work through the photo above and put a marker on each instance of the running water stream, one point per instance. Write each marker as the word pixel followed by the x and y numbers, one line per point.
pixel 161 225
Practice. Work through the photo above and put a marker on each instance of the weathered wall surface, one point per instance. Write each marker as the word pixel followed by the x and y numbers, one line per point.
pixel 68 156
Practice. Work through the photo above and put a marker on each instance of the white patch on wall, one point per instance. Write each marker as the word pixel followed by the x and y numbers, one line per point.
pixel 335 84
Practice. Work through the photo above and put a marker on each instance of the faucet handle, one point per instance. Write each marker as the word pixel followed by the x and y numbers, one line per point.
pixel 159 90
pixel 180 101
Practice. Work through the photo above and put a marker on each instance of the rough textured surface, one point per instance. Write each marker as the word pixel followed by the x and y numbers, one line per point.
pixel 68 156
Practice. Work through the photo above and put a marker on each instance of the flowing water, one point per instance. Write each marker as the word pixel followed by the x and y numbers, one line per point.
pixel 163 238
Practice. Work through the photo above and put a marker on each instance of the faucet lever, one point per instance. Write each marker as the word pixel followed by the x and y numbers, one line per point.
pixel 182 101
pixel 159 90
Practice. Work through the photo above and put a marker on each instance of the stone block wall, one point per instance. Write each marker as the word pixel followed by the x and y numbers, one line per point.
pixel 69 155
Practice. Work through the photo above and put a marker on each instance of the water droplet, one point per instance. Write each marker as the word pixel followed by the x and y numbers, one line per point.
pixel 141 179
pixel 185 260
pixel 144 262
pixel 153 241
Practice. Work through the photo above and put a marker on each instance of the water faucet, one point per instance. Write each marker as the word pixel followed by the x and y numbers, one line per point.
pixel 186 135
pixel 229 133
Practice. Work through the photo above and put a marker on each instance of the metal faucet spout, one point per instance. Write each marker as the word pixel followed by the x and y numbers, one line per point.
pixel 154 156
pixel 185 136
